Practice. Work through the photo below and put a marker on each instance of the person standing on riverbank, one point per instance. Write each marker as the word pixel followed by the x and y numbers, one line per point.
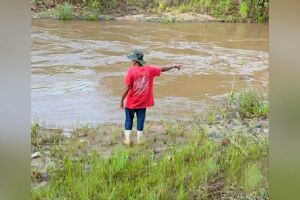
pixel 139 92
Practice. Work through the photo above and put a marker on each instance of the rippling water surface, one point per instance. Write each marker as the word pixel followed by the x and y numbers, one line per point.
pixel 78 67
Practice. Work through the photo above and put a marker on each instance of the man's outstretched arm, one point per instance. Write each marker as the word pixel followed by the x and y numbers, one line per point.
pixel 164 69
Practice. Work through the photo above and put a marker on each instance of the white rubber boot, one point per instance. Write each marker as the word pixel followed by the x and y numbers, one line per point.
pixel 140 137
pixel 127 137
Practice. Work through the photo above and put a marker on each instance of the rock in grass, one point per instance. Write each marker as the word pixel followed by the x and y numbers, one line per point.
pixel 156 151
pixel 105 18
pixel 234 124
pixel 255 131
pixel 36 155
pixel 67 134
pixel 219 117
pixel 258 126
pixel 213 134
pixel 159 129
pixel 225 141
pixel 41 184
pixel 39 167
pixel 101 17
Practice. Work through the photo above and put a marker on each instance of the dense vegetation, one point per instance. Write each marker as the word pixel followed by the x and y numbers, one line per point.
pixel 229 10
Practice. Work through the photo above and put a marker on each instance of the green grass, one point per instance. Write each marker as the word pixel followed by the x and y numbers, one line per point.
pixel 250 103
pixel 243 150
pixel 253 178
pixel 184 172
pixel 65 12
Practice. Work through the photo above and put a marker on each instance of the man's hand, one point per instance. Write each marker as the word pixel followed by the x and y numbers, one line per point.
pixel 177 66
pixel 127 88
pixel 164 69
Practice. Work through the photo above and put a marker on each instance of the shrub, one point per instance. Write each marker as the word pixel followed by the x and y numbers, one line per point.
pixel 251 104
pixel 65 12
pixel 162 6
pixel 184 9
pixel 94 4
pixel 261 10
pixel 244 10
pixel 223 8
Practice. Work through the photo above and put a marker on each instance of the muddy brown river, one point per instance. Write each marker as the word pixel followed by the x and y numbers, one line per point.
pixel 78 67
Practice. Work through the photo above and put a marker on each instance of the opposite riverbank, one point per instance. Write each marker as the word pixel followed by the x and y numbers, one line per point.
pixel 153 10
pixel 220 154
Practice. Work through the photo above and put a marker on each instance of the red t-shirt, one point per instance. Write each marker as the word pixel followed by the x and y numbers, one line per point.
pixel 140 80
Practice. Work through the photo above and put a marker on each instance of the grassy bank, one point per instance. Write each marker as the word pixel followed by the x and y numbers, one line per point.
pixel 200 169
pixel 227 10
pixel 220 154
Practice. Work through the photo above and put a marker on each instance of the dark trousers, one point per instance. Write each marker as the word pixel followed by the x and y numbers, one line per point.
pixel 129 116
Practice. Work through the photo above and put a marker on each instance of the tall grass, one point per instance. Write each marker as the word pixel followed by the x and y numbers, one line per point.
pixel 65 11
pixel 34 134
pixel 253 177
pixel 250 103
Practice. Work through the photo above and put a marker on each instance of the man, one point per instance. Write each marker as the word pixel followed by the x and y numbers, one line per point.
pixel 139 92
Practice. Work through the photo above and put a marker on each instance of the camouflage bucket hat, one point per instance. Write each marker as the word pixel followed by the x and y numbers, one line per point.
pixel 137 55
